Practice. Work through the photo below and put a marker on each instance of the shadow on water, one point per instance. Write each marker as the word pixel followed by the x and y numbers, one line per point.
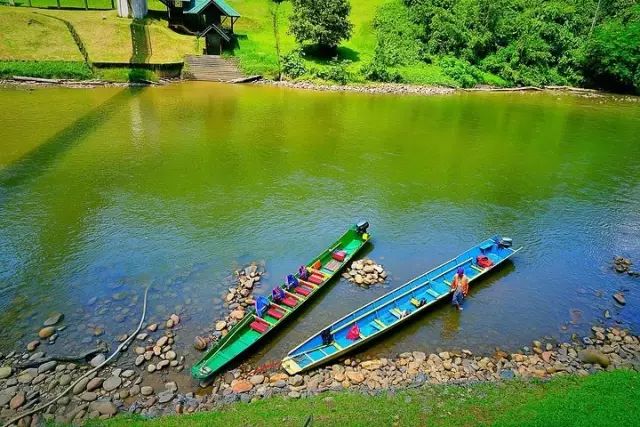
pixel 36 161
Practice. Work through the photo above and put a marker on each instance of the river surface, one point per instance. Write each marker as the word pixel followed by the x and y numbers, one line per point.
pixel 104 191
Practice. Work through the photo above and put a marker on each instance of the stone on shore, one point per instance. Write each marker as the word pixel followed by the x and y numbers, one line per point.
pixel 88 396
pixel 17 400
pixel 220 325
pixel 94 383
pixel 199 343
pixel 241 386
pixel 594 356
pixel 112 383
pixel 103 407
pixel 5 372
pixel 97 360
pixel 47 366
pixel 146 390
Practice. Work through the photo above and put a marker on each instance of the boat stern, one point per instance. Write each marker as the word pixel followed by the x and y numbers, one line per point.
pixel 291 366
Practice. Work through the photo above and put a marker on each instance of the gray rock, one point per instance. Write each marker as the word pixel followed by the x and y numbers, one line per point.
pixel 95 384
pixel 171 386
pixel 7 394
pixel 88 396
pixel 134 390
pixel 81 386
pixel 97 360
pixel 619 297
pixel 128 373
pixel 5 372
pixel 256 379
pixel 165 396
pixel 64 380
pixel 104 407
pixel 146 390
pixel 53 319
pixel 112 383
pixel 26 376
pixel 139 360
pixel 506 374
pixel 47 366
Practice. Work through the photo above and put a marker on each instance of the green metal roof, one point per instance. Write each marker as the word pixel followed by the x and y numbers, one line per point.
pixel 197 6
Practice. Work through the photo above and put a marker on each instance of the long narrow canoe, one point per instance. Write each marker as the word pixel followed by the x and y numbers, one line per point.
pixel 253 329
pixel 396 307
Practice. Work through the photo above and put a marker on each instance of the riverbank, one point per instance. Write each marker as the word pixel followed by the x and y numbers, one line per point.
pixel 132 388
pixel 610 398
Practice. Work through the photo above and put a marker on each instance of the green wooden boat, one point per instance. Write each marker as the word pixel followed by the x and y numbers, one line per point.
pixel 253 328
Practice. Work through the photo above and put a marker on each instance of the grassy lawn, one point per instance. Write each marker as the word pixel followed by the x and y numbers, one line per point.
pixel 34 34
pixel 604 399
pixel 27 35
pixel 257 42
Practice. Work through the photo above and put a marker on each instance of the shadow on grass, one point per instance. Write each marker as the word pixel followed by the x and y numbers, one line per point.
pixel 322 56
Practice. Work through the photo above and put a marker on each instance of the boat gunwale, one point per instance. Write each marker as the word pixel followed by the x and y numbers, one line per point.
pixel 398 321
pixel 240 326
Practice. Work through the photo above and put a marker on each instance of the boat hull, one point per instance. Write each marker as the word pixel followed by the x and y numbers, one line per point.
pixel 432 284
pixel 242 337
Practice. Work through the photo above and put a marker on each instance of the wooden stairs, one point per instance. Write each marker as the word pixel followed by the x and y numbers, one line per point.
pixel 211 68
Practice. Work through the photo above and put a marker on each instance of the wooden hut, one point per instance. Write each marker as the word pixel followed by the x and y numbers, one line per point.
pixel 213 19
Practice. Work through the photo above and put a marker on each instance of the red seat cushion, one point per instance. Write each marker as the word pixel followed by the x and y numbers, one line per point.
pixel 261 327
pixel 316 278
pixel 339 255
pixel 275 313
pixel 290 301
pixel 302 290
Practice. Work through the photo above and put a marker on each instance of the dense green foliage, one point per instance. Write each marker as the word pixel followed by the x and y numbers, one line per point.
pixel 525 42
pixel 45 69
pixel 324 23
pixel 613 53
pixel 610 398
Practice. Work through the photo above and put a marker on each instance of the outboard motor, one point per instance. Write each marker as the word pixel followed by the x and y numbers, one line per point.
pixel 505 242
pixel 361 227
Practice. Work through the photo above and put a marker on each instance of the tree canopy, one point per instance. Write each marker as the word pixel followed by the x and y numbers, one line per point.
pixel 324 23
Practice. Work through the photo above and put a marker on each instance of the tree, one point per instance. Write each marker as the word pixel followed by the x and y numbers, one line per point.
pixel 322 22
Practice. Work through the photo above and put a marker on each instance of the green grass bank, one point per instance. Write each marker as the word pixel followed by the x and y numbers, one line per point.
pixel 603 399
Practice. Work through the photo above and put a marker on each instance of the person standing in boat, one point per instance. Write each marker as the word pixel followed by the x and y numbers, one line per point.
pixel 460 286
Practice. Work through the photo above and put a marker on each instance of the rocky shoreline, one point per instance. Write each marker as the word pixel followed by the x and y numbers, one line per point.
pixel 127 389
pixel 146 378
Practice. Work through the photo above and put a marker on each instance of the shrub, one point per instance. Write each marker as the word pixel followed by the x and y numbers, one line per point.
pixel 293 64
pixel 460 70
pixel 337 72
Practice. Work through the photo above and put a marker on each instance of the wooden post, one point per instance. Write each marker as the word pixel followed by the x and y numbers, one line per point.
pixel 58 1
pixel 86 4
pixel 113 4
pixel 30 5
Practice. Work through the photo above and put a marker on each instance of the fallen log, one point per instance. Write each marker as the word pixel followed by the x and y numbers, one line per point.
pixel 246 79
pixel 36 79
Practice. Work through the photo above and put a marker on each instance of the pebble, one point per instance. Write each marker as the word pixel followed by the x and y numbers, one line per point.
pixel 17 400
pixel 170 355
pixel 199 343
pixel 220 325
pixel 128 373
pixel 47 366
pixel 139 360
pixel 88 396
pixel 5 372
pixel 152 327
pixel 33 345
pixel 151 368
pixel 64 380
pixel 81 386
pixel 112 383
pixel 53 319
pixel 146 390
pixel 97 360
pixel 104 407
pixel 94 383
pixel 135 390
pixel 165 396
pixel 46 332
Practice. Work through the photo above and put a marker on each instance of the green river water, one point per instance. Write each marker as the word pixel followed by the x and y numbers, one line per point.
pixel 103 191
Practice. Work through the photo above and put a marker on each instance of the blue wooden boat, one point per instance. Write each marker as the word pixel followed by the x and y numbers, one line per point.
pixel 397 306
